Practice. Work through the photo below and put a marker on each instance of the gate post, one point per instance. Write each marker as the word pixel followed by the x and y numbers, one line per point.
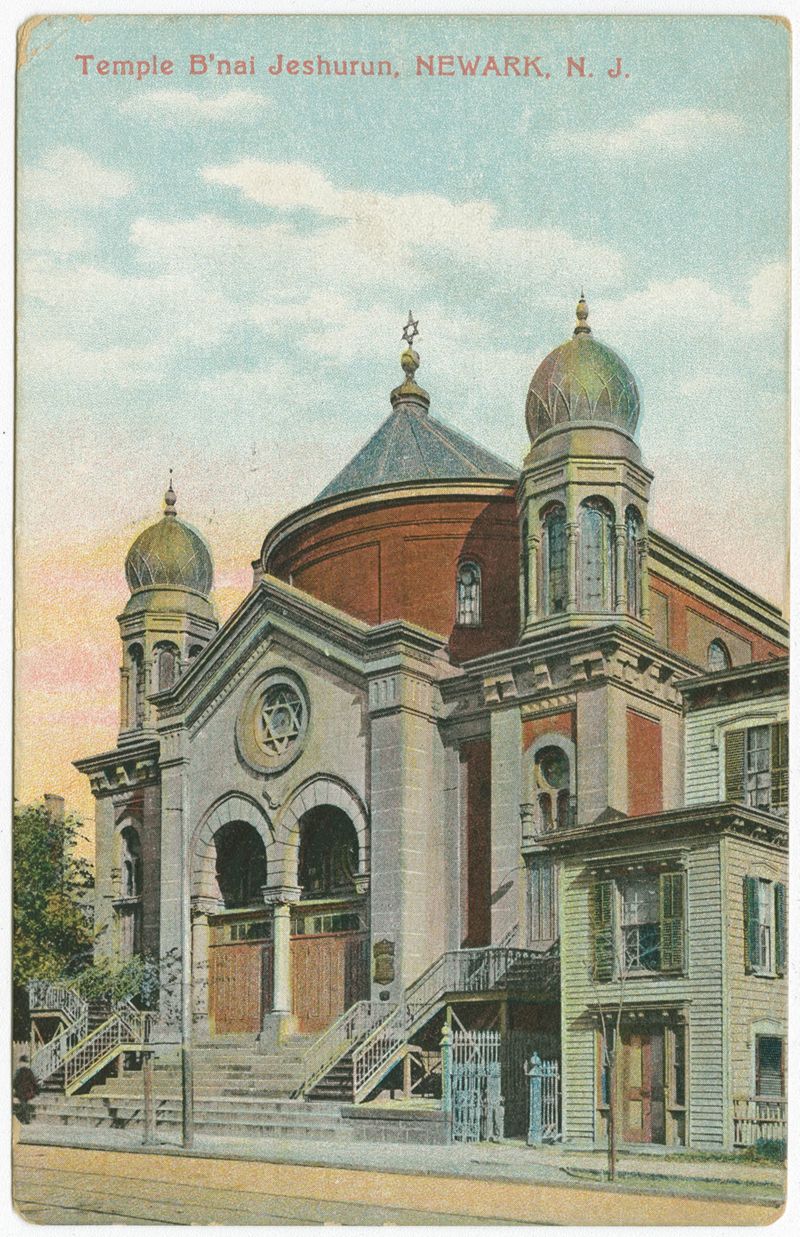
pixel 447 1078
pixel 535 1113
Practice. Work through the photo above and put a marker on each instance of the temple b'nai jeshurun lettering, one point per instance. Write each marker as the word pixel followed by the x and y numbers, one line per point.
pixel 482 757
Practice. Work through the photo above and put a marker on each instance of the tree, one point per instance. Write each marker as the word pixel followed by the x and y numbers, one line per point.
pixel 52 884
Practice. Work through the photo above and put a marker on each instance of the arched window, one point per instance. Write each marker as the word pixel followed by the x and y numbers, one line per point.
pixel 554 538
pixel 633 533
pixel 241 864
pixel 552 778
pixel 718 656
pixel 131 863
pixel 136 682
pixel 194 649
pixel 167 663
pixel 597 555
pixel 468 595
pixel 328 859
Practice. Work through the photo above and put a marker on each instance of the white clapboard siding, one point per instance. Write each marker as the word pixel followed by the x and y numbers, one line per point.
pixel 754 1001
pixel 704 752
pixel 701 988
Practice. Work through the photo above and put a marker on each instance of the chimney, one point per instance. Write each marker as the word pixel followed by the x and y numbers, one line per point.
pixel 54 804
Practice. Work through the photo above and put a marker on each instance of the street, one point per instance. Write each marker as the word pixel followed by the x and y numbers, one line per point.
pixel 64 1185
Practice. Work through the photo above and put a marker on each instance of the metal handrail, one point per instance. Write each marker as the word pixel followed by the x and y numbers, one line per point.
pixel 353 1025
pixel 43 994
pixel 458 970
pixel 124 1026
pixel 48 1059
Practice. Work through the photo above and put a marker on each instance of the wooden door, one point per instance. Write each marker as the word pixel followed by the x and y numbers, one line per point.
pixel 642 1086
pixel 329 974
pixel 236 987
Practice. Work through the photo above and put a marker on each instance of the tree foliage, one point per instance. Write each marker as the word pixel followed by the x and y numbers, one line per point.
pixel 52 904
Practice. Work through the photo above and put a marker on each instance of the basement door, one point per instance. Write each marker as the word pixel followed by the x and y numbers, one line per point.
pixel 330 973
pixel 239 986
pixel 642 1086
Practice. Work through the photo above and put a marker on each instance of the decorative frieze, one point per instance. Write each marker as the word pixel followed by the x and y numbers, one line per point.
pixel 400 691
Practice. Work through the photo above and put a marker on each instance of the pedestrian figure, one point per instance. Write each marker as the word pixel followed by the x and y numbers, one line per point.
pixel 26 1088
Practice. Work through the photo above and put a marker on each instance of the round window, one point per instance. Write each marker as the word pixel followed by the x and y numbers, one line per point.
pixel 552 766
pixel 272 725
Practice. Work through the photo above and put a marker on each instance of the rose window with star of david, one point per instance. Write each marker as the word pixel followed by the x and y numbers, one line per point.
pixel 281 719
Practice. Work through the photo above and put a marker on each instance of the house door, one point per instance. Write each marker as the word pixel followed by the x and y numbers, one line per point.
pixel 642 1086
pixel 239 987
pixel 329 974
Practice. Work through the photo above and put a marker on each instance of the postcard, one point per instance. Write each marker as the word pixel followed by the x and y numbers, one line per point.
pixel 401 668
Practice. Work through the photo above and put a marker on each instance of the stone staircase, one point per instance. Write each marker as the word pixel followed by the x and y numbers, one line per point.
pixel 238 1092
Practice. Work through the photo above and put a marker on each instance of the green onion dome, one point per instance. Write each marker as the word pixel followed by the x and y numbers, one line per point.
pixel 582 381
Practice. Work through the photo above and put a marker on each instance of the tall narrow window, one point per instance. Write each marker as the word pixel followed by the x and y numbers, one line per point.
pixel 718 656
pixel 136 712
pixel 769 1067
pixel 468 595
pixel 597 555
pixel 555 561
pixel 633 533
pixel 131 863
pixel 167 666
pixel 552 774
pixel 757 779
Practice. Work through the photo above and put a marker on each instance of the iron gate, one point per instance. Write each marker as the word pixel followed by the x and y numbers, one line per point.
pixel 476 1086
pixel 545 1101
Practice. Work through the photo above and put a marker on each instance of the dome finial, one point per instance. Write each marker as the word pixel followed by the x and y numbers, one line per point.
pixel 169 498
pixel 582 313
pixel 408 391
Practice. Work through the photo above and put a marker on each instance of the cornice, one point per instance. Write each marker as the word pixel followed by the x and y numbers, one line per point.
pixel 664 828
pixel 668 559
pixel 379 495
pixel 121 769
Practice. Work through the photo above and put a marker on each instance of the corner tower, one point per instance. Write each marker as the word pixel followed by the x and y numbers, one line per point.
pixel 583 493
pixel 168 619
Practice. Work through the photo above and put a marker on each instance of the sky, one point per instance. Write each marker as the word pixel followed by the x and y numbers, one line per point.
pixel 214 273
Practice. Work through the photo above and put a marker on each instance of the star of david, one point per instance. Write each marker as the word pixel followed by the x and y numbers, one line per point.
pixel 411 329
pixel 280 721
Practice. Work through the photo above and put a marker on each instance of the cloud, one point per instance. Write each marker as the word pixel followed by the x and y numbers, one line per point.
pixel 658 133
pixel 400 232
pixel 241 106
pixel 693 307
pixel 69 178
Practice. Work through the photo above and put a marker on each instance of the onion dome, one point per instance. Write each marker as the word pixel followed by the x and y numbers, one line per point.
pixel 170 554
pixel 582 381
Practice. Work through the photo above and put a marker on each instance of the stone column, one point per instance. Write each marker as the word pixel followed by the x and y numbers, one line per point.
pixel 201 934
pixel 620 600
pixel 281 959
pixel 644 580
pixel 279 1022
pixel 572 565
pixel 124 698
pixel 532 551
pixel 507 886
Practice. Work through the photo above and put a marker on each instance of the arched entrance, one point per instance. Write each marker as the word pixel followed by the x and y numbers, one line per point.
pixel 240 950
pixel 330 938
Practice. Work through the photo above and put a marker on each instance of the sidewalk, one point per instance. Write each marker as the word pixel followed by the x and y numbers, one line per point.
pixel 507 1161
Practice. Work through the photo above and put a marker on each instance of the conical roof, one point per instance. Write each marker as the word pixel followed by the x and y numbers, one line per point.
pixel 411 445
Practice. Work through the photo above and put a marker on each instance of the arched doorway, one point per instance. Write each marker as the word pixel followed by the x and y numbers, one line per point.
pixel 330 940
pixel 240 953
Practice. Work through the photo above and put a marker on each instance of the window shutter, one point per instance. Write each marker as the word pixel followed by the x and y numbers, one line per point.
pixel 602 907
pixel 780 929
pixel 750 923
pixel 734 766
pixel 780 766
pixel 671 887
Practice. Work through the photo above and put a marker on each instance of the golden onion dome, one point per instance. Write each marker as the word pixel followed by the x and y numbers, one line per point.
pixel 582 381
pixel 170 554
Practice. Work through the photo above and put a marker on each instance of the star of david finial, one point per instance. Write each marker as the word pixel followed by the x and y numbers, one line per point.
pixel 410 330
